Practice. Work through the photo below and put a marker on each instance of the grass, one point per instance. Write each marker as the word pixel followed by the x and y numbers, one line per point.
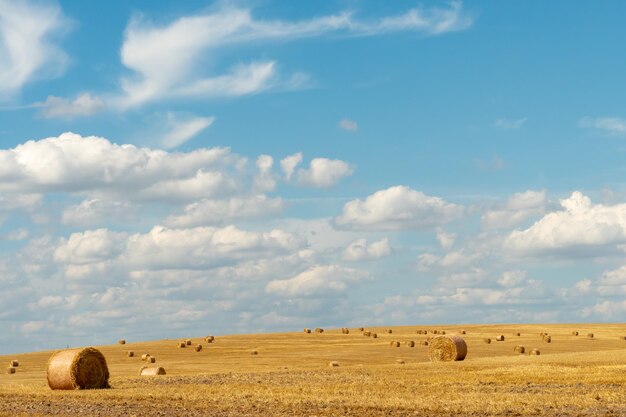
pixel 290 376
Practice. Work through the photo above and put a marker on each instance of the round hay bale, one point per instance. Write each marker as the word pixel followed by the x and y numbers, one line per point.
pixel 345 330
pixel 188 342
pixel 623 337
pixel 500 338
pixel 396 344
pixel 443 332
pixel 121 341
pixel 392 343
pixel 487 340
pixel 11 370
pixel 254 352
pixel 333 364
pixel 400 361
pixel 424 343
pixel 151 359
pixel 434 331
pixel 145 356
pixel 145 371
pixel 461 331
pixel 307 330
pixel 130 353
pixel 519 349
pixel 368 334
pixel 182 344
pixel 589 335
pixel 447 348
pixel 361 329
pixel 410 343
pixel 389 331
pixel 517 334
pixel 374 335
pixel 210 339
pixel 198 348
pixel 319 330
pixel 535 352
pixel 574 333
pixel 547 339
pixel 78 369
pixel 15 363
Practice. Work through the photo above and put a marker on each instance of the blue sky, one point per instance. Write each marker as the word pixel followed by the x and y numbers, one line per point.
pixel 219 167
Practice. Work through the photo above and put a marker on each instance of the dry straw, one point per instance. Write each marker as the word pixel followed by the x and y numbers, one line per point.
pixel 447 348
pixel 400 361
pixel 487 340
pixel 78 369
pixel 121 342
pixel 519 349
pixel 333 364
pixel 198 348
pixel 500 338
pixel 145 371
pixel 130 353
pixel 15 363
pixel 535 352
pixel 590 335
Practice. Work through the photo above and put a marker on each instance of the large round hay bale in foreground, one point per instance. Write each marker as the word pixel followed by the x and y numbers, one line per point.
pixel 145 371
pixel 447 348
pixel 78 369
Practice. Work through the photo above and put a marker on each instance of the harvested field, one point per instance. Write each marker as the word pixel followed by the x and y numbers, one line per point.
pixel 572 376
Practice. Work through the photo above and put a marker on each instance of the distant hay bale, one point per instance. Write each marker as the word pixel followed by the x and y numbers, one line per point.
pixel 182 344
pixel 400 361
pixel 434 331
pixel 307 330
pixel 517 334
pixel 396 344
pixel 542 334
pixel 333 364
pixel 574 333
pixel 461 331
pixel 424 343
pixel 410 343
pixel 623 337
pixel 121 341
pixel 15 363
pixel 145 371
pixel 319 330
pixel 188 342
pixel 11 370
pixel 145 356
pixel 130 353
pixel 361 329
pixel 443 332
pixel 151 359
pixel 589 335
pixel 78 369
pixel 519 349
pixel 210 339
pixel 345 330
pixel 368 334
pixel 547 338
pixel 447 348
pixel 487 340
pixel 500 338
pixel 374 335
pixel 198 348
pixel 535 352
pixel 254 352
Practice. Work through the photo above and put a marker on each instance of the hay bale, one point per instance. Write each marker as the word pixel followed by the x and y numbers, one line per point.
pixel 487 340
pixel 307 330
pixel 400 361
pixel 361 329
pixel 130 353
pixel 434 331
pixel 424 343
pixel 345 330
pixel 589 335
pixel 517 334
pixel 389 331
pixel 333 364
pixel 182 345
pixel 11 370
pixel 210 339
pixel 547 338
pixel 15 363
pixel 396 344
pixel 535 352
pixel 151 359
pixel 254 352
pixel 623 337
pixel 410 343
pixel 374 335
pixel 188 342
pixel 78 369
pixel 319 330
pixel 500 338
pixel 519 349
pixel 145 371
pixel 447 348
pixel 368 334
pixel 461 331
pixel 145 356
pixel 121 341
pixel 443 332
pixel 574 333
pixel 198 348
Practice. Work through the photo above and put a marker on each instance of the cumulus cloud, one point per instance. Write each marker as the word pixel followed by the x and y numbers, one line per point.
pixel 360 250
pixel 264 180
pixel 322 280
pixel 515 210
pixel 27 43
pixel 580 227
pixel 94 211
pixel 84 104
pixel 323 172
pixel 168 60
pixel 220 212
pixel 610 125
pixel 446 240
pixel 397 208
pixel 510 123
pixel 289 164
pixel 349 125
pixel 182 128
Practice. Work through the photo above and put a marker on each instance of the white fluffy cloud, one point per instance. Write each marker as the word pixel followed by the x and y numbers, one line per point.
pixel 349 125
pixel 289 164
pixel 317 281
pixel 323 172
pixel 84 104
pixel 96 211
pixel 27 47
pixel 397 208
pixel 515 210
pixel 610 125
pixel 168 60
pixel 583 227
pixel 361 251
pixel 181 129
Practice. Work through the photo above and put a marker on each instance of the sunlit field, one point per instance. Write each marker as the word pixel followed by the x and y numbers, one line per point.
pixel 290 375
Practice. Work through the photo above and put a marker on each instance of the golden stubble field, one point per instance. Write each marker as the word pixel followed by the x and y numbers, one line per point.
pixel 290 376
